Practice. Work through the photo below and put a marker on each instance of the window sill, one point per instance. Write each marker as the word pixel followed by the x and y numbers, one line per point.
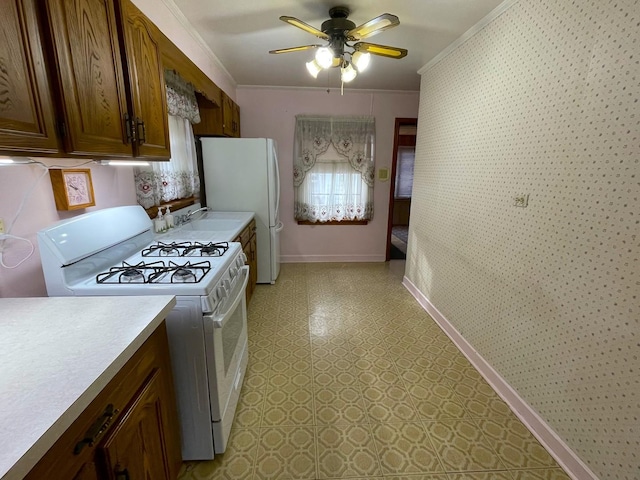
pixel 334 222
pixel 173 205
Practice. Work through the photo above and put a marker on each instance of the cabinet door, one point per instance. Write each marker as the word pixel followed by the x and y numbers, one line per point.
pixel 236 120
pixel 227 115
pixel 136 446
pixel 27 121
pixel 88 471
pixel 146 78
pixel 90 76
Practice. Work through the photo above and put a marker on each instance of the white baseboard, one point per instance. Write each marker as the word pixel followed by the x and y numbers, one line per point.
pixel 565 457
pixel 331 258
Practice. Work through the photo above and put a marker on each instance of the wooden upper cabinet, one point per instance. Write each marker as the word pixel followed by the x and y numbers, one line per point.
pixel 110 79
pixel 227 115
pixel 27 122
pixel 90 76
pixel 146 77
pixel 210 117
pixel 236 120
pixel 230 117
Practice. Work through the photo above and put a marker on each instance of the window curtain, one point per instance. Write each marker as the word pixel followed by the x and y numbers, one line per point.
pixel 178 178
pixel 333 170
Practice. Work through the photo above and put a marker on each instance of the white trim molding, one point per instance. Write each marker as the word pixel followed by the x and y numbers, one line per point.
pixel 565 457
pixel 492 15
pixel 331 258
pixel 180 17
pixel 324 89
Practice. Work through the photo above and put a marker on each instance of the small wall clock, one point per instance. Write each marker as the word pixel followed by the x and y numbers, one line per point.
pixel 72 188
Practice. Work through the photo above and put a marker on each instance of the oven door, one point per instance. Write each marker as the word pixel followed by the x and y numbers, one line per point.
pixel 226 351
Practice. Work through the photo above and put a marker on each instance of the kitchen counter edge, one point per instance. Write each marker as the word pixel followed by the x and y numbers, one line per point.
pixel 127 334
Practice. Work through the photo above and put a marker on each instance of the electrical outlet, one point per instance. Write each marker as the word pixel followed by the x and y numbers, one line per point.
pixel 1 225
pixel 521 200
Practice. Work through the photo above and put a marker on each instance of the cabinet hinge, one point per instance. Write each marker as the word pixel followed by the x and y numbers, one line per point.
pixel 131 132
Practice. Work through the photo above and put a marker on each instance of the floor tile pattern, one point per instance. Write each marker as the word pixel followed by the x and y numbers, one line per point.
pixel 348 377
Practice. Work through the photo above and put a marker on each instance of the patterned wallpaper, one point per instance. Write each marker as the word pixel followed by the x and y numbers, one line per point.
pixel 544 102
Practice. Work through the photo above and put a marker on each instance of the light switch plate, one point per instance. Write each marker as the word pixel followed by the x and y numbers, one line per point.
pixel 1 225
pixel 383 174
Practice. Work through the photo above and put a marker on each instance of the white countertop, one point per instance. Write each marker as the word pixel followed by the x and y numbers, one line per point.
pixel 212 225
pixel 56 355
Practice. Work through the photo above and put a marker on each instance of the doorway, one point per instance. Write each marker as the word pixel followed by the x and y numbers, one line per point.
pixel 404 150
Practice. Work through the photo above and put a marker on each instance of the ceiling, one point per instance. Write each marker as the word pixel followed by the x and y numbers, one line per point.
pixel 241 33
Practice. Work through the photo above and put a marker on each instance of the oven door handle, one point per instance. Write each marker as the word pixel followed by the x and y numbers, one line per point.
pixel 219 319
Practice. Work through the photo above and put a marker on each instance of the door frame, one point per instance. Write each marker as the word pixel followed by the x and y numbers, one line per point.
pixel 398 141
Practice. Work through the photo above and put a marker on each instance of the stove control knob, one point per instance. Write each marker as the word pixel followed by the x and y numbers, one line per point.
pixel 233 272
pixel 222 293
pixel 227 285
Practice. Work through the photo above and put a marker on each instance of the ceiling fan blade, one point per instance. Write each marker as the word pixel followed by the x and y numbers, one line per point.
pixel 295 49
pixel 304 26
pixel 373 27
pixel 382 50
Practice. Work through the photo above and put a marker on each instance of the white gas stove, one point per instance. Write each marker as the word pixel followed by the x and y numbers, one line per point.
pixel 114 252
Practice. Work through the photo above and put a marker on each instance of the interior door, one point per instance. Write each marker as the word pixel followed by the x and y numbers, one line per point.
pixel 404 137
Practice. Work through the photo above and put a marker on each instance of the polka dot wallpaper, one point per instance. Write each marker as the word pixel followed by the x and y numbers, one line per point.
pixel 543 102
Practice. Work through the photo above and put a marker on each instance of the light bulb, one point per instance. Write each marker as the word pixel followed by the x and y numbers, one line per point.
pixel 313 68
pixel 348 73
pixel 361 60
pixel 324 57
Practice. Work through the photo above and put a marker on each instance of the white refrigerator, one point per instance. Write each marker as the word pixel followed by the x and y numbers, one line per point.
pixel 241 175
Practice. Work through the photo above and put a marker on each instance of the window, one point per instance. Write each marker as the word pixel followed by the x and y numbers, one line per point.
pixel 164 182
pixel 404 172
pixel 334 169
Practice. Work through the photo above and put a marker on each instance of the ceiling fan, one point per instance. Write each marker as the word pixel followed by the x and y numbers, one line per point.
pixel 339 31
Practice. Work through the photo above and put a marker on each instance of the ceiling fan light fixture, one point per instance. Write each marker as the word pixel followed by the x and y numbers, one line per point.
pixel 361 60
pixel 348 73
pixel 324 57
pixel 313 68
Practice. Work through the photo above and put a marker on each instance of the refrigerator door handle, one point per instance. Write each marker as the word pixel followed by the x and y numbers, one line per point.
pixel 279 227
pixel 277 171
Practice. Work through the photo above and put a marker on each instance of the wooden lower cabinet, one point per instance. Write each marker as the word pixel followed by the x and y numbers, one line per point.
pixel 135 448
pixel 129 431
pixel 250 248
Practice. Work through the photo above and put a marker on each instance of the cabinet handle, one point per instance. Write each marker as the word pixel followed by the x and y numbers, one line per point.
pixel 129 129
pixel 121 474
pixel 97 429
pixel 142 137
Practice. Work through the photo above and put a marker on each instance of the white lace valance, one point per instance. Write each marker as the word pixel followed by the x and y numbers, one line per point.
pixel 181 97
pixel 352 137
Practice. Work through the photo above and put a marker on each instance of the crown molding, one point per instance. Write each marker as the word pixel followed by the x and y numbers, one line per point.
pixel 490 17
pixel 324 89
pixel 178 15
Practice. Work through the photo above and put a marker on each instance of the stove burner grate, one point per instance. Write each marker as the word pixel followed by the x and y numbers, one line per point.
pixel 186 249
pixel 155 272
pixel 187 273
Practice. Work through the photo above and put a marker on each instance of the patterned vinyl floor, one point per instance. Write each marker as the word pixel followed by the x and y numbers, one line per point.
pixel 349 378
